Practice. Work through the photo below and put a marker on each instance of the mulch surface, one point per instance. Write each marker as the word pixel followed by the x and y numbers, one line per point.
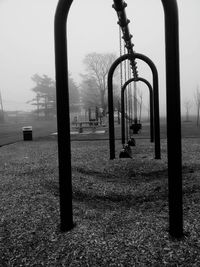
pixel 120 207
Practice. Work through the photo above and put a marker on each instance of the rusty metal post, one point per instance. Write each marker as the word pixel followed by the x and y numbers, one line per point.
pixel 63 119
pixel 173 118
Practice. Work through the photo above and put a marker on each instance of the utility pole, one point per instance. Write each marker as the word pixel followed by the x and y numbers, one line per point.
pixel 1 110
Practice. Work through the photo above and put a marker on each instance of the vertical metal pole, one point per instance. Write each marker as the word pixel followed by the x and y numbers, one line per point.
pixel 126 64
pixel 135 102
pixel 129 99
pixel 151 114
pixel 156 113
pixel 156 103
pixel 151 107
pixel 118 111
pixel 111 114
pixel 127 118
pixel 173 118
pixel 63 120
pixel 120 54
pixel 122 116
pixel 110 104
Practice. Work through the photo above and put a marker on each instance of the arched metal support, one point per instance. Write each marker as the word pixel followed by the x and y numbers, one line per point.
pixel 63 120
pixel 151 108
pixel 173 118
pixel 156 101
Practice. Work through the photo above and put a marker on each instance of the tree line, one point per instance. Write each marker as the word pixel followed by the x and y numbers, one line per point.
pixel 188 105
pixel 91 92
pixel 45 96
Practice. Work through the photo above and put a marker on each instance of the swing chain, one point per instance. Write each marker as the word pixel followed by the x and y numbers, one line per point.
pixel 123 22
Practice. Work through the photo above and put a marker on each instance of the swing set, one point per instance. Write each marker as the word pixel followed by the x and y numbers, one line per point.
pixel 127 104
pixel 173 109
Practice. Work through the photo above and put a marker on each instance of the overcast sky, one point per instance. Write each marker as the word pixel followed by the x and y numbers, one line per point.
pixel 27 42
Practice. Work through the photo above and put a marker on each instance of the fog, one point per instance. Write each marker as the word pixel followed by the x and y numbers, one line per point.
pixel 27 42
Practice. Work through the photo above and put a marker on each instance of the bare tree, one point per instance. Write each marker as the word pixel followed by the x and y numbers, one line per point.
pixel 89 92
pixel 187 105
pixel 197 101
pixel 97 67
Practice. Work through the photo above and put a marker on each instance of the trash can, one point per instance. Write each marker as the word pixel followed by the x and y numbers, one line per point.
pixel 27 133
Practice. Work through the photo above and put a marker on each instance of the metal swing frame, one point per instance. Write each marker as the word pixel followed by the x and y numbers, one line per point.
pixel 155 102
pixel 173 116
pixel 123 109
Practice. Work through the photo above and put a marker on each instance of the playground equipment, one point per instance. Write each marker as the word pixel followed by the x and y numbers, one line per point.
pixel 126 152
pixel 131 142
pixel 123 22
pixel 156 101
pixel 173 115
pixel 120 6
pixel 81 125
pixel 91 120
pixel 152 118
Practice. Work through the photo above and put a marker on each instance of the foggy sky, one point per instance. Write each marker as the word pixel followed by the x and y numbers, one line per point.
pixel 27 42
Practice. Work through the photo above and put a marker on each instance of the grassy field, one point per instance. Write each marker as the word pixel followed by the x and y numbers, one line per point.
pixel 12 131
pixel 120 207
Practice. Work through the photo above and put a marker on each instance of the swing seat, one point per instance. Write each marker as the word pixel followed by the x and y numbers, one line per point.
pixel 131 142
pixel 125 152
pixel 136 127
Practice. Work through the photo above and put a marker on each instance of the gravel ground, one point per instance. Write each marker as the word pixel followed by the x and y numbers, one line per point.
pixel 120 207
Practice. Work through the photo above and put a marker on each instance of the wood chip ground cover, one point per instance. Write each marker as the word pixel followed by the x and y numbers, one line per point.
pixel 120 207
